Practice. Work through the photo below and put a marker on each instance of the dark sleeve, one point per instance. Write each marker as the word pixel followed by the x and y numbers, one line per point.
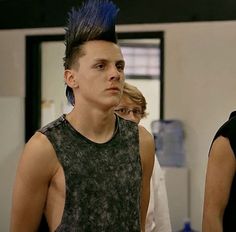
pixel 228 130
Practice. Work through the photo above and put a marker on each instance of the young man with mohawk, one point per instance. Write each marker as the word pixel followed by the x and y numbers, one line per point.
pixel 88 170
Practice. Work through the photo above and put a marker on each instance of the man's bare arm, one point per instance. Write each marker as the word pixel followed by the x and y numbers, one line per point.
pixel 147 152
pixel 35 169
pixel 220 172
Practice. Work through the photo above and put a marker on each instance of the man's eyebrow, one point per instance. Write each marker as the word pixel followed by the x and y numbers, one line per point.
pixel 100 60
pixel 107 60
pixel 120 61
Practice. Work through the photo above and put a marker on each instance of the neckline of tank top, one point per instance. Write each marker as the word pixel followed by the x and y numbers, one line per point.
pixel 63 117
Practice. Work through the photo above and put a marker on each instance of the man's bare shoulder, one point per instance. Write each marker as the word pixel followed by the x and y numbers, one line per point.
pixel 39 155
pixel 40 146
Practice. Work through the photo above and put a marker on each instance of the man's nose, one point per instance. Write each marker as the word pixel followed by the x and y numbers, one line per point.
pixel 114 74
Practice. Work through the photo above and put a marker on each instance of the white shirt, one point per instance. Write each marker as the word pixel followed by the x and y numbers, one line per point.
pixel 158 218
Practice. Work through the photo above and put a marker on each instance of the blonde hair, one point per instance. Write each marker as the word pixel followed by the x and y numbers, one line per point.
pixel 134 94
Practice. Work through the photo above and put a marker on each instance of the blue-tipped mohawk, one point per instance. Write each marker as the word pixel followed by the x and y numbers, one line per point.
pixel 94 20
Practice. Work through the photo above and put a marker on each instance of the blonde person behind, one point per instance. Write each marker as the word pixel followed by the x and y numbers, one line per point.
pixel 132 107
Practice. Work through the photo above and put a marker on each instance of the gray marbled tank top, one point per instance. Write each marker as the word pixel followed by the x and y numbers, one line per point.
pixel 103 181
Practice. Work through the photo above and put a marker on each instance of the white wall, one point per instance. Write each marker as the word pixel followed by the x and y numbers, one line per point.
pixel 200 85
pixel 12 93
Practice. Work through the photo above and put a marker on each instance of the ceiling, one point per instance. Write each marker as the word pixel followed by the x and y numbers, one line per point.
pixel 52 13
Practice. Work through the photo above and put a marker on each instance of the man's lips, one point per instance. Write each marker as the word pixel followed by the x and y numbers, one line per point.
pixel 113 89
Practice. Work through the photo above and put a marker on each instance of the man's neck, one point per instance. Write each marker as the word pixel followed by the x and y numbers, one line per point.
pixel 97 126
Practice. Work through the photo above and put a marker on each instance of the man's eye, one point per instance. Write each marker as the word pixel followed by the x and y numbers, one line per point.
pixel 100 66
pixel 120 67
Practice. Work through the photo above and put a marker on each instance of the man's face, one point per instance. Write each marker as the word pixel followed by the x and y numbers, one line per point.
pixel 100 74
pixel 129 110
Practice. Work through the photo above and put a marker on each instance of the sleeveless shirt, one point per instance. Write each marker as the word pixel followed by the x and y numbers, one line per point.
pixel 228 130
pixel 103 181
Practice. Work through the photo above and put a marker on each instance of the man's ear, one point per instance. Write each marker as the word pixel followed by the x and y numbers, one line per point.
pixel 69 78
